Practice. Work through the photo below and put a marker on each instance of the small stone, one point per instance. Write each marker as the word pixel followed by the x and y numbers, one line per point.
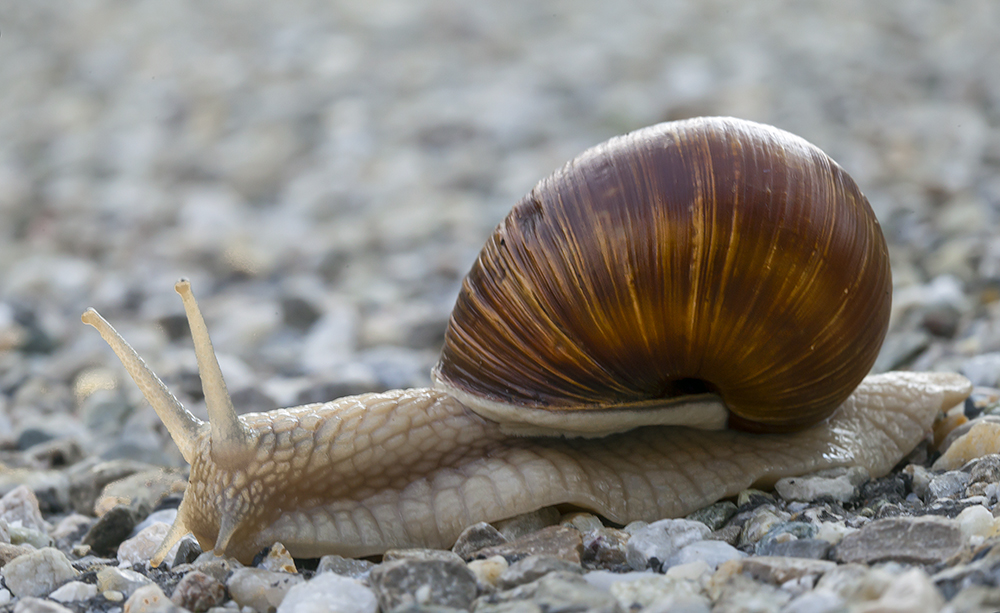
pixel 140 548
pixel 751 498
pixel 141 491
pixel 947 485
pixel 777 571
pixel 690 571
pixel 983 438
pixel 70 529
pixel 533 568
pixel 914 540
pixel 420 555
pixel 713 553
pixel 188 551
pixel 659 541
pixel 606 548
pixel 440 582
pixel 73 591
pixel 346 567
pixel 278 559
pixel 815 548
pixel 715 515
pixel 329 592
pixel 986 470
pixel 29 536
pixel 120 580
pixel 21 505
pixel 488 571
pixel 840 484
pixel 911 592
pixel 110 530
pixel 655 589
pixel 260 589
pixel 784 532
pixel 556 541
pixel 527 523
pixel 584 522
pixel 9 552
pixel 759 524
pixel 214 566
pixel 148 599
pixel 37 605
pixel 977 520
pixel 37 573
pixel 198 592
pixel 555 593
pixel 738 593
pixel 816 601
pixel 476 537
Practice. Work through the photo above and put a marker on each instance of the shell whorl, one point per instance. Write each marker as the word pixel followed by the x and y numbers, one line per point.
pixel 708 255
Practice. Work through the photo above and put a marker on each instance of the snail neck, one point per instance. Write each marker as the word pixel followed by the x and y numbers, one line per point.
pixel 701 411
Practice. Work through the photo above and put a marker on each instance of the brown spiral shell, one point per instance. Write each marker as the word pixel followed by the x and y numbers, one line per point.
pixel 707 255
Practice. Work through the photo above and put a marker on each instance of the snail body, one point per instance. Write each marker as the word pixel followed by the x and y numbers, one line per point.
pixel 713 274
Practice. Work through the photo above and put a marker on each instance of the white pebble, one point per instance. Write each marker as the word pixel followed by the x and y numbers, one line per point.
pixel 37 605
pixel 37 573
pixel 655 544
pixel 138 550
pixel 977 521
pixel 329 593
pixel 147 599
pixel 691 571
pixel 20 507
pixel 278 559
pixel 260 589
pixel 74 590
pixel 122 580
pixel 712 553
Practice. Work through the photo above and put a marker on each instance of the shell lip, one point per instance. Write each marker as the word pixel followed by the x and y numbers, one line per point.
pixel 701 411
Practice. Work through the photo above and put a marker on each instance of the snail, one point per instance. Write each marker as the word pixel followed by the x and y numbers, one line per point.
pixel 676 315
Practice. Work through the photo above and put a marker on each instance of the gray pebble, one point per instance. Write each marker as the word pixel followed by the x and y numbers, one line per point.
pixel 840 484
pixel 347 567
pixel 260 589
pixel 715 515
pixel 655 544
pixel 527 523
pixel 533 568
pixel 198 592
pixel 712 553
pixel 947 485
pixel 986 469
pixel 606 548
pixel 445 582
pixel 914 540
pixel 559 592
pixel 817 549
pixel 111 530
pixel 476 537
pixel 329 592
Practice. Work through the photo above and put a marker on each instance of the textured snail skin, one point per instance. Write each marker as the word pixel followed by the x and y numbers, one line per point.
pixel 412 468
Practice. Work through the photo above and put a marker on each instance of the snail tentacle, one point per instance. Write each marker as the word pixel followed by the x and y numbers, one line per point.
pixel 230 444
pixel 181 424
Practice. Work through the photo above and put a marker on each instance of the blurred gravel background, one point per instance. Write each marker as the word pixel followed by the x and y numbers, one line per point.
pixel 325 173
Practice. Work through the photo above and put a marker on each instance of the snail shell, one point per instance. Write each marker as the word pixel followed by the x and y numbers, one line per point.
pixel 708 256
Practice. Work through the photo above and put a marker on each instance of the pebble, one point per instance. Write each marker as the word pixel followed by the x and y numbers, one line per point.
pixel 139 549
pixel 198 592
pixel 148 599
pixel 476 537
pixel 38 572
pixel 654 545
pixel 533 568
pixel 910 592
pixel 914 540
pixel 715 515
pixel 278 559
pixel 73 591
pixel 429 581
pixel 122 580
pixel 20 506
pixel 657 589
pixel 584 522
pixel 260 589
pixel 110 530
pixel 762 521
pixel 606 548
pixel 37 605
pixel 840 484
pixel 947 485
pixel 329 593
pixel 347 567
pixel 556 541
pixel 712 553
pixel 983 438
pixel 488 571
pixel 555 593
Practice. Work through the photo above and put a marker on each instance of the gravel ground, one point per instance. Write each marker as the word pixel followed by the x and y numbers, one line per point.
pixel 325 173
